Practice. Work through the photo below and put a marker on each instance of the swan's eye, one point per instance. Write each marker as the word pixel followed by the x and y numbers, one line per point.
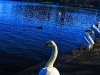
pixel 46 44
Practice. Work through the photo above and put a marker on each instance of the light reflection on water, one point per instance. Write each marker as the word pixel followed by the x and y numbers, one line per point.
pixel 21 41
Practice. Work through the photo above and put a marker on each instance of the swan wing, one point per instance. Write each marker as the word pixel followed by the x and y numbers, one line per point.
pixel 93 37
pixel 43 71
pixel 81 38
pixel 89 38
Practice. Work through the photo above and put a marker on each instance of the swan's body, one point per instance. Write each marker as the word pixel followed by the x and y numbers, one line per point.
pixel 49 69
pixel 85 39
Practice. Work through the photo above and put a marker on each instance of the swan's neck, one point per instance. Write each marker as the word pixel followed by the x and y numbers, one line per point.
pixel 53 57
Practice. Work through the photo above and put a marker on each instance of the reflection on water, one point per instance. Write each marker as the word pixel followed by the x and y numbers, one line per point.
pixel 21 40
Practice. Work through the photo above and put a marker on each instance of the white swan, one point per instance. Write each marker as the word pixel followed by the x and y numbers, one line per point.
pixel 49 69
pixel 85 39
pixel 98 24
pixel 96 31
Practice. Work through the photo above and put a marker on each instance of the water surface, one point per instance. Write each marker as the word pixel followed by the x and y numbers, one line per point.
pixel 21 41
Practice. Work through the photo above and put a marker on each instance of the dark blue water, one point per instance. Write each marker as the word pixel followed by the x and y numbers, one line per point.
pixel 21 41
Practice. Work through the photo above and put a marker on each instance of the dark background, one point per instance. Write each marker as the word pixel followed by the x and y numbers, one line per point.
pixel 78 3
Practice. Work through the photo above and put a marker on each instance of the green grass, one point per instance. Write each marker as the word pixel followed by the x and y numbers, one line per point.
pixel 48 2
pixel 87 6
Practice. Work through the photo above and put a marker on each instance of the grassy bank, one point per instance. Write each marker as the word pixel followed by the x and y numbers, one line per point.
pixel 48 2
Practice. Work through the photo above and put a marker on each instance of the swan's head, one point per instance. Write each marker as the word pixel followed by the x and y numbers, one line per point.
pixel 90 32
pixel 50 43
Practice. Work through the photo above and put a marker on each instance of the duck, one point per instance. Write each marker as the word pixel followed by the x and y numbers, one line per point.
pixel 40 27
pixel 85 39
pixel 49 68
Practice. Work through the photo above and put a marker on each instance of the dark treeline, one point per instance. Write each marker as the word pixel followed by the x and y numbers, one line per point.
pixel 80 3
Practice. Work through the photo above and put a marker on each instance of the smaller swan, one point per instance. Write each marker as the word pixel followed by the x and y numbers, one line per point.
pixel 98 25
pixel 49 69
pixel 85 39
pixel 96 31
